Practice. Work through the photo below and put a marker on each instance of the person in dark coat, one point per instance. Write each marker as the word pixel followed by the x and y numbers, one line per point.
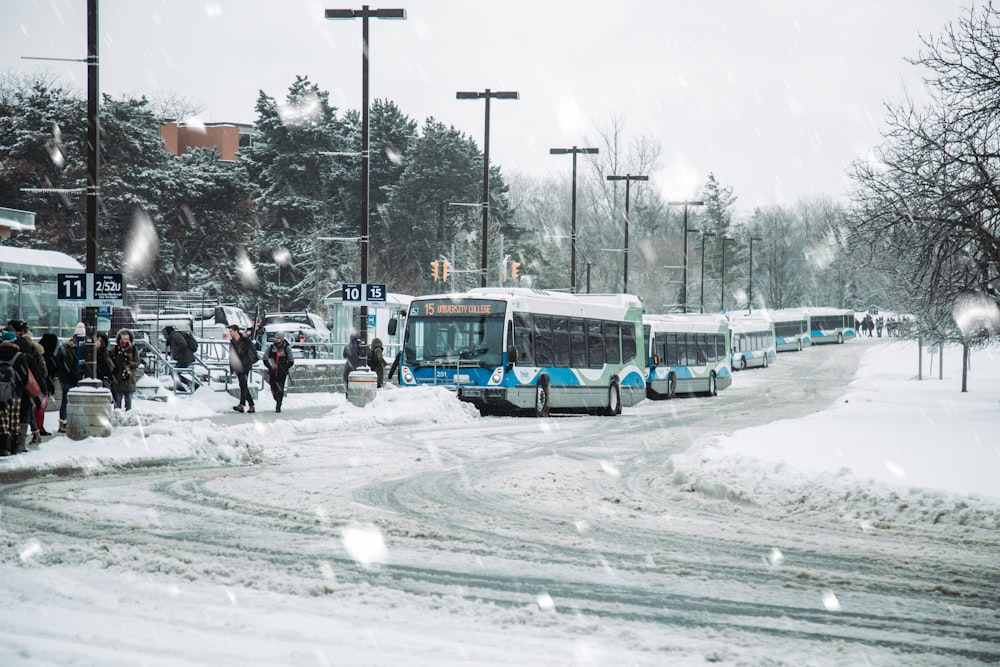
pixel 178 349
pixel 49 343
pixel 125 356
pixel 376 361
pixel 70 367
pixel 242 357
pixel 105 366
pixel 26 414
pixel 10 412
pixel 352 359
pixel 278 359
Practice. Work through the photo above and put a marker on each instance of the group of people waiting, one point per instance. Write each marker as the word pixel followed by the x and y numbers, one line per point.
pixel 30 371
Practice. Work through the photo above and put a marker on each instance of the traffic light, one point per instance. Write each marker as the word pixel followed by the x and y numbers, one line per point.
pixel 514 266
pixel 434 269
pixel 445 269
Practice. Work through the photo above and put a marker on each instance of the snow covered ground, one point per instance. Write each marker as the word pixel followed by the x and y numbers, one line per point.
pixel 889 428
pixel 901 450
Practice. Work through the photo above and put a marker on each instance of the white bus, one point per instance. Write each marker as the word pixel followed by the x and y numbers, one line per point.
pixel 687 354
pixel 831 325
pixel 753 342
pixel 516 349
pixel 792 330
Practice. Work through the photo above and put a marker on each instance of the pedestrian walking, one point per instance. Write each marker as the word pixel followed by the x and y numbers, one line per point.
pixel 242 357
pixel 126 359
pixel 278 359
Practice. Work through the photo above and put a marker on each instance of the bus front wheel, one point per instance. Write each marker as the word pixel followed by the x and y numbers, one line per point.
pixel 671 386
pixel 614 399
pixel 542 403
pixel 840 338
pixel 765 360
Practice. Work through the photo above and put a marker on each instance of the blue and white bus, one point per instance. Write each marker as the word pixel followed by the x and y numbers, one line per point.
pixel 753 342
pixel 516 349
pixel 831 325
pixel 792 330
pixel 687 354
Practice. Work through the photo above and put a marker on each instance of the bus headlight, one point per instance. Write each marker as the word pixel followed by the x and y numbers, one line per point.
pixel 497 376
pixel 407 376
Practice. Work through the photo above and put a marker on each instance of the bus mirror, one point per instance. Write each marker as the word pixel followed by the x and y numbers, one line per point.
pixel 656 360
pixel 392 326
pixel 511 356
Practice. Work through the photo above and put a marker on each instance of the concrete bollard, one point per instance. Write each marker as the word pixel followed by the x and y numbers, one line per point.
pixel 362 385
pixel 88 411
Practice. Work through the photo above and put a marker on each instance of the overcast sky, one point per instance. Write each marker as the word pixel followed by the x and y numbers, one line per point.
pixel 775 98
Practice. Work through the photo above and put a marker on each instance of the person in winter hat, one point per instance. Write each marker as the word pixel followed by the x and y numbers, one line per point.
pixel 10 411
pixel 125 356
pixel 278 359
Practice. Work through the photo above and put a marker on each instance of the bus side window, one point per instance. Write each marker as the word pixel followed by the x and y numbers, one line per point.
pixel 522 340
pixel 578 343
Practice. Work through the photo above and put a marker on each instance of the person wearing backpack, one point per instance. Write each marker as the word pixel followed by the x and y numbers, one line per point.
pixel 13 379
pixel 242 357
pixel 180 349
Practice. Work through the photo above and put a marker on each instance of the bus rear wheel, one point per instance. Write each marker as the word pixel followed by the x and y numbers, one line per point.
pixel 542 402
pixel 765 360
pixel 713 389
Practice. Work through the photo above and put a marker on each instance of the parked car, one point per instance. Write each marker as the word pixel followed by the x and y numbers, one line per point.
pixel 298 327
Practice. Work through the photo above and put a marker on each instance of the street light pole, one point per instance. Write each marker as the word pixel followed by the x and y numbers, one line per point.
pixel 703 235
pixel 750 288
pixel 722 289
pixel 365 13
pixel 628 178
pixel 486 95
pixel 684 281
pixel 572 257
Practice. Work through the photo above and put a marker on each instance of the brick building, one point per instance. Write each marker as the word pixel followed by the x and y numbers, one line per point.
pixel 226 137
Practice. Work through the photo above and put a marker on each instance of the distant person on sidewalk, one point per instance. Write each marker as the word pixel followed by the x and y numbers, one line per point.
pixel 279 360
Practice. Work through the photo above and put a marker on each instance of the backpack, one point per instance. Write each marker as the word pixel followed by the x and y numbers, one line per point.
pixel 8 376
pixel 192 344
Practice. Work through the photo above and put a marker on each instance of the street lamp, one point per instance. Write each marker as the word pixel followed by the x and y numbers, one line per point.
pixel 365 13
pixel 722 296
pixel 684 281
pixel 572 256
pixel 703 235
pixel 628 178
pixel 750 288
pixel 486 95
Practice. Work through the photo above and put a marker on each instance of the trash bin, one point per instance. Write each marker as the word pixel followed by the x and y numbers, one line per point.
pixel 88 410
pixel 362 385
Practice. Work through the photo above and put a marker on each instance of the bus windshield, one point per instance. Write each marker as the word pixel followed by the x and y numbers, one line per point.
pixel 474 341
